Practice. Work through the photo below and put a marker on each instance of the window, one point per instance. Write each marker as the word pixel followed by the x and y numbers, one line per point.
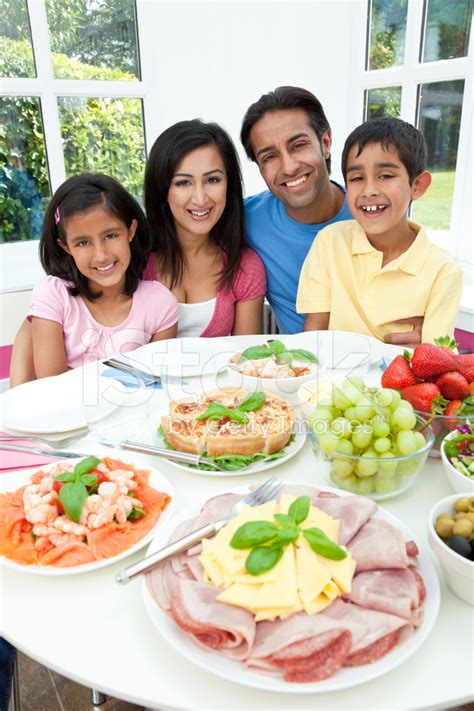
pixel 88 88
pixel 413 63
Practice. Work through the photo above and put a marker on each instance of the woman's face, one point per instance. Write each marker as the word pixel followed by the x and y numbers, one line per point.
pixel 197 193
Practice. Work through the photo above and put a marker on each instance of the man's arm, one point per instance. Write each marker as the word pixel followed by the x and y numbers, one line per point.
pixel 316 322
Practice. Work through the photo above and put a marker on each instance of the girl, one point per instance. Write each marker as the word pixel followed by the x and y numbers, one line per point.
pixel 194 204
pixel 94 247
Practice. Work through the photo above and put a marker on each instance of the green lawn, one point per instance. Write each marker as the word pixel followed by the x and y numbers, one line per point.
pixel 434 208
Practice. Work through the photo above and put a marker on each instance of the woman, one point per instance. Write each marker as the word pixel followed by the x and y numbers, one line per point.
pixel 193 197
pixel 194 204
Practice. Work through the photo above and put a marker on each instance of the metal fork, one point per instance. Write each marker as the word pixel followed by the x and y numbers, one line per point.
pixel 267 491
pixel 53 443
pixel 148 378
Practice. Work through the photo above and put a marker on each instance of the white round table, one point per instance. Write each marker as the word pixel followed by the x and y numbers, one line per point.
pixel 98 633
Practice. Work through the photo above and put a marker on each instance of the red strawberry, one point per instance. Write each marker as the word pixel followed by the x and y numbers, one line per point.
pixel 465 366
pixel 453 386
pixel 421 395
pixel 398 375
pixel 428 360
pixel 446 344
pixel 454 408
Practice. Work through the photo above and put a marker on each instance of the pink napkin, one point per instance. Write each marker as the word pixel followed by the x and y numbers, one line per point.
pixel 22 460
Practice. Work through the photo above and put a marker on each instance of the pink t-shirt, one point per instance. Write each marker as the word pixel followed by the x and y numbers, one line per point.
pixel 249 283
pixel 154 309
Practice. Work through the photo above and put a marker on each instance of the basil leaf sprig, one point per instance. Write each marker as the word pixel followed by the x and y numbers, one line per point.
pixel 267 539
pixel 74 493
pixel 218 411
pixel 279 351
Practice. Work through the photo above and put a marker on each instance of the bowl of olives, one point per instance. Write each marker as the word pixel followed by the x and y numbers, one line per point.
pixel 451 538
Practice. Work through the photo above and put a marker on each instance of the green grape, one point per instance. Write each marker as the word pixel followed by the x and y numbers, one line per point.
pixel 396 400
pixel 350 414
pixel 406 404
pixel 328 443
pixel 403 418
pixel 326 402
pixel 340 427
pixel 365 486
pixel 366 466
pixel 383 397
pixel 341 468
pixel 345 446
pixel 387 468
pixel 406 442
pixel 357 382
pixel 350 483
pixel 408 467
pixel 322 413
pixel 383 411
pixel 340 400
pixel 420 440
pixel 384 486
pixel 380 426
pixel 382 444
pixel 364 409
pixel 362 436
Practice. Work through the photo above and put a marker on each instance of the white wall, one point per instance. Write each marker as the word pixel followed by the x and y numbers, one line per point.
pixel 213 59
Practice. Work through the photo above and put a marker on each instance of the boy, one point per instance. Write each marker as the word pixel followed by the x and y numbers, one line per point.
pixel 365 274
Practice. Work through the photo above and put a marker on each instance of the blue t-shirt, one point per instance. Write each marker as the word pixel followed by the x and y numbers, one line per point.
pixel 283 244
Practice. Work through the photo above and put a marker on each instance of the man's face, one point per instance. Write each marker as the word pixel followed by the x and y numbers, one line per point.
pixel 290 157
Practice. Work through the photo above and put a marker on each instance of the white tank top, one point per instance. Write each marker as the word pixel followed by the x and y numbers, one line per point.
pixel 194 318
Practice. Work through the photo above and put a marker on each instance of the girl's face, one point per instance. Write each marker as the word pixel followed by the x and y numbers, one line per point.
pixel 197 194
pixel 99 243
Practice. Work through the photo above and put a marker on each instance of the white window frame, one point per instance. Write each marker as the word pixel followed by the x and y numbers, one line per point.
pixel 409 75
pixel 20 268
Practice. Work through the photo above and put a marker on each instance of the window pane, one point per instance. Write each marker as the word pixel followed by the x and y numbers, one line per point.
pixel 383 102
pixel 440 120
pixel 24 180
pixel 94 39
pixel 388 23
pixel 16 53
pixel 447 29
pixel 104 136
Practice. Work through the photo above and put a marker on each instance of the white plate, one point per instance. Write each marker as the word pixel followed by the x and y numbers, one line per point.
pixel 184 357
pixel 57 404
pixel 344 678
pixel 291 449
pixel 12 481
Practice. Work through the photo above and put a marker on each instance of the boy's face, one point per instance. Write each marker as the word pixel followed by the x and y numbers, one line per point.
pixel 378 189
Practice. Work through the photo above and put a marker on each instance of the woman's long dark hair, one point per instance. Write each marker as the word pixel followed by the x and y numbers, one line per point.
pixel 167 151
pixel 79 194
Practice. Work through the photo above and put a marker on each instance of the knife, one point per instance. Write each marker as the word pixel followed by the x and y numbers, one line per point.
pixel 47 452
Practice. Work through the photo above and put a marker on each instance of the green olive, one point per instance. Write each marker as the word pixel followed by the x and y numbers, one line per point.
pixel 462 504
pixel 463 527
pixel 471 504
pixel 461 515
pixel 470 516
pixel 445 515
pixel 444 527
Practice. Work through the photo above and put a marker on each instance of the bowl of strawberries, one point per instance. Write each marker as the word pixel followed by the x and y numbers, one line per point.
pixel 438 382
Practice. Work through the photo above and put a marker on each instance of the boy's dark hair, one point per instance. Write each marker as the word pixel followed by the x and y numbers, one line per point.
pixel 285 97
pixel 80 194
pixel 167 152
pixel 394 133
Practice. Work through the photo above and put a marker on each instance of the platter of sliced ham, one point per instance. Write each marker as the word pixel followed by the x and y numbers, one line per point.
pixel 387 615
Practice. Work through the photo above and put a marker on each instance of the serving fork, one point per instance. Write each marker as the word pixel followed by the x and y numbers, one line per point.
pixel 267 491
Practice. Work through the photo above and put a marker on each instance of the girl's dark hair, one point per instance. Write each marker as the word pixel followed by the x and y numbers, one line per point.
pixel 283 98
pixel 167 151
pixel 80 194
pixel 394 133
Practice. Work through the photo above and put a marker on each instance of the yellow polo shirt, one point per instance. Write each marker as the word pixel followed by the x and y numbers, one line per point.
pixel 343 275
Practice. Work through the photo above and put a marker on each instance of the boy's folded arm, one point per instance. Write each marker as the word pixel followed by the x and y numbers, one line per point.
pixel 443 304
pixel 317 322
pixel 407 338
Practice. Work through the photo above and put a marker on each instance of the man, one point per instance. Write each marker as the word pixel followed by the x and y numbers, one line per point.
pixel 288 135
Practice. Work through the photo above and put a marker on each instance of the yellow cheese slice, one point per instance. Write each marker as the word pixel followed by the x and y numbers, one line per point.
pixel 282 591
pixel 342 571
pixel 312 574
pixel 317 605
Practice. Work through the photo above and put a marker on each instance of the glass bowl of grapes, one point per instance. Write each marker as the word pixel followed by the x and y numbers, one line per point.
pixel 368 440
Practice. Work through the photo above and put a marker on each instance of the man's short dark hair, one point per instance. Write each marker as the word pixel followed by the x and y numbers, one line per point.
pixel 394 133
pixel 285 97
